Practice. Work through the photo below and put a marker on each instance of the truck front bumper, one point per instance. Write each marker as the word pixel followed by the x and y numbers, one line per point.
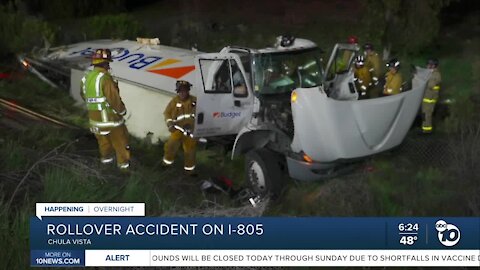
pixel 306 171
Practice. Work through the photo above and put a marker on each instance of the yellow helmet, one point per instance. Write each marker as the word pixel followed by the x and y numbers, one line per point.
pixel 181 84
pixel 101 56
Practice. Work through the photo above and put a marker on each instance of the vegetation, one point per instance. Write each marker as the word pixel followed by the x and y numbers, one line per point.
pixel 411 181
pixel 120 26
pixel 46 164
pixel 425 177
pixel 56 9
pixel 402 25
pixel 37 95
pixel 23 25
pixel 20 32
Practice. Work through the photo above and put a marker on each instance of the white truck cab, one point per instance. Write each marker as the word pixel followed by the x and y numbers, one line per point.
pixel 292 114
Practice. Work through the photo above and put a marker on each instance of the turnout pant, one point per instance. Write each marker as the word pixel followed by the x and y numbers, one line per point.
pixel 171 147
pixel 115 142
pixel 428 106
pixel 427 112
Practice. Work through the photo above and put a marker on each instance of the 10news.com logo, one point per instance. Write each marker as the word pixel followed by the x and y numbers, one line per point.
pixel 448 234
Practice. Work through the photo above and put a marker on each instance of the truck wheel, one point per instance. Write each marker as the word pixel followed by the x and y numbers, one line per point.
pixel 264 172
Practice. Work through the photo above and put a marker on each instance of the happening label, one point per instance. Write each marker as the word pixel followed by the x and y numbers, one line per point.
pixel 89 209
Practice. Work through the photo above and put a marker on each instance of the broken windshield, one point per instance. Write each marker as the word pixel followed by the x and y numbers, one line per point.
pixel 282 72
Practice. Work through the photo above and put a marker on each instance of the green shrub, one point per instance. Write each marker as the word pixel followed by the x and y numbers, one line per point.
pixel 20 33
pixel 113 26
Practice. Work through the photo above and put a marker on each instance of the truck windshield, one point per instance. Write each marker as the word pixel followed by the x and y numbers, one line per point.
pixel 282 72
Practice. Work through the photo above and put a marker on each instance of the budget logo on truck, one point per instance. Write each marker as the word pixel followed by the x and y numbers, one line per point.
pixel 139 61
pixel 226 114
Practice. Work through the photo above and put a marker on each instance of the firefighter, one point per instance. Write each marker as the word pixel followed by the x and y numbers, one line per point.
pixel 106 111
pixel 393 78
pixel 431 96
pixel 363 77
pixel 179 116
pixel 374 65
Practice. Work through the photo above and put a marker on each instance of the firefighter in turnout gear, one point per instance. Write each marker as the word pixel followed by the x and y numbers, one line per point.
pixel 374 65
pixel 106 111
pixel 180 118
pixel 431 96
pixel 393 78
pixel 363 77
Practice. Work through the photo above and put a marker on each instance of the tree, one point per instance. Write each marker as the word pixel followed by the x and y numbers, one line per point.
pixel 403 26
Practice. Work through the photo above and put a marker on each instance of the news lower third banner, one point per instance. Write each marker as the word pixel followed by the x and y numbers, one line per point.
pixel 104 237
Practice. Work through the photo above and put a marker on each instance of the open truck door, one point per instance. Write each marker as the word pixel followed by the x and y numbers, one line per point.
pixel 339 77
pixel 224 97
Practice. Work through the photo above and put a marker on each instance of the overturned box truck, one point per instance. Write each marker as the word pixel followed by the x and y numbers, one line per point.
pixel 281 106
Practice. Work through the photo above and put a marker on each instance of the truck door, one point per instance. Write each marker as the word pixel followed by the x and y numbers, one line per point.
pixel 339 75
pixel 225 98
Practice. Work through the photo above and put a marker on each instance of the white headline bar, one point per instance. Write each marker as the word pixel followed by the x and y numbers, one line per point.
pixel 274 258
pixel 90 209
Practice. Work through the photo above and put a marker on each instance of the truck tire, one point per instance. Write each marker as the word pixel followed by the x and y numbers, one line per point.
pixel 263 170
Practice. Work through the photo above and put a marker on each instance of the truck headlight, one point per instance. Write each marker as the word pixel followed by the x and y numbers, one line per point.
pixel 307 158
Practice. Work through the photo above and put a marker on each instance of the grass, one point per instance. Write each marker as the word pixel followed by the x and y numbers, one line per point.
pixel 37 95
pixel 12 157
pixel 72 173
pixel 382 191
pixel 398 185
pixel 391 184
pixel 426 196
pixel 14 235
